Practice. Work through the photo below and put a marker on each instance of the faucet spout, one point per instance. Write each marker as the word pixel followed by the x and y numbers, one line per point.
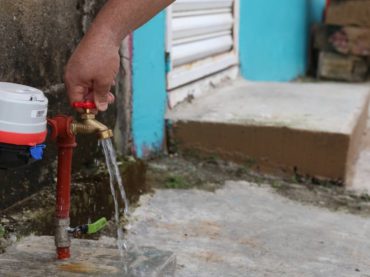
pixel 89 125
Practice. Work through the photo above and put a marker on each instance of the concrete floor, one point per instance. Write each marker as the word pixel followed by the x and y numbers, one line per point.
pixel 248 230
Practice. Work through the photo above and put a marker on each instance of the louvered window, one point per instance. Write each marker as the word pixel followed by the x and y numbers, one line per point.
pixel 201 39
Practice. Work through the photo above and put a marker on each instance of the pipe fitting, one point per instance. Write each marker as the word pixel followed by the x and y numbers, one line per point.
pixel 62 239
pixel 60 127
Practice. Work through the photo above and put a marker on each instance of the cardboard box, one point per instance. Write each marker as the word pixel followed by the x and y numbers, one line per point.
pixel 354 13
pixel 342 68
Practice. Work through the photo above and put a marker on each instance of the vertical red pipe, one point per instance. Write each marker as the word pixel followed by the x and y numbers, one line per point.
pixel 64 181
pixel 66 141
pixel 63 192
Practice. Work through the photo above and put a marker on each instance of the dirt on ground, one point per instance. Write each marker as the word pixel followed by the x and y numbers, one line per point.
pixel 209 174
pixel 91 197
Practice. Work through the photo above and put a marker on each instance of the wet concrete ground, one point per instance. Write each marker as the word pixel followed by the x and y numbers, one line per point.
pixel 35 256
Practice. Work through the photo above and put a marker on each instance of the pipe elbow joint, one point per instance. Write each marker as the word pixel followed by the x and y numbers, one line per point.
pixel 60 130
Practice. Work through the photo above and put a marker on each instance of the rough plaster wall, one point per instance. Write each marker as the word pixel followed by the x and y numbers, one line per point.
pixel 123 92
pixel 37 37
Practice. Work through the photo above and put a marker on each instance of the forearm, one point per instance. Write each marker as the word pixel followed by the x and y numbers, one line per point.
pixel 119 17
pixel 93 66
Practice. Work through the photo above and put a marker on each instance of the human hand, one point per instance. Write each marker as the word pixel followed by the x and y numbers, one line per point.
pixel 92 68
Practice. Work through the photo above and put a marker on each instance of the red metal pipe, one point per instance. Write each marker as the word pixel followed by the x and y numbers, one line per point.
pixel 64 181
pixel 63 253
pixel 66 141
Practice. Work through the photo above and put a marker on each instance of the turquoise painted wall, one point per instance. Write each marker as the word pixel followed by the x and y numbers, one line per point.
pixel 274 37
pixel 149 86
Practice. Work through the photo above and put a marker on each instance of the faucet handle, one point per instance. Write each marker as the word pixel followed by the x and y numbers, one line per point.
pixel 86 105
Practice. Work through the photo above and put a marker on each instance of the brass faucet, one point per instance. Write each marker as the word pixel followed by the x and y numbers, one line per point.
pixel 89 125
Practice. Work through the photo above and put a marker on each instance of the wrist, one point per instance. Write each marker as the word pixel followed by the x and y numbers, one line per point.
pixel 103 35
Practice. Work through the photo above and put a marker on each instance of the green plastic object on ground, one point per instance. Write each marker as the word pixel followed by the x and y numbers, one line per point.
pixel 96 226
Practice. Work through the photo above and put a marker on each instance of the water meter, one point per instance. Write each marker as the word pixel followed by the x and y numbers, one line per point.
pixel 23 124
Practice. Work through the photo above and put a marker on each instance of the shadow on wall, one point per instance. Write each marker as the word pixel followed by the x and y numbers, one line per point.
pixel 274 37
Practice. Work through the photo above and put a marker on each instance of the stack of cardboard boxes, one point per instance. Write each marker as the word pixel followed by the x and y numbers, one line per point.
pixel 344 41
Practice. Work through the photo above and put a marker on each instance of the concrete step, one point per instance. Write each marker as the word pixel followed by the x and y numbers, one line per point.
pixel 361 179
pixel 311 129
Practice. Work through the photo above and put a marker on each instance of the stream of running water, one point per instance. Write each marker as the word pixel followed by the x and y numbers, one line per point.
pixel 116 182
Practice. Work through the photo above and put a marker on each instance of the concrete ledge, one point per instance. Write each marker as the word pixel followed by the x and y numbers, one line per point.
pixel 35 256
pixel 310 129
